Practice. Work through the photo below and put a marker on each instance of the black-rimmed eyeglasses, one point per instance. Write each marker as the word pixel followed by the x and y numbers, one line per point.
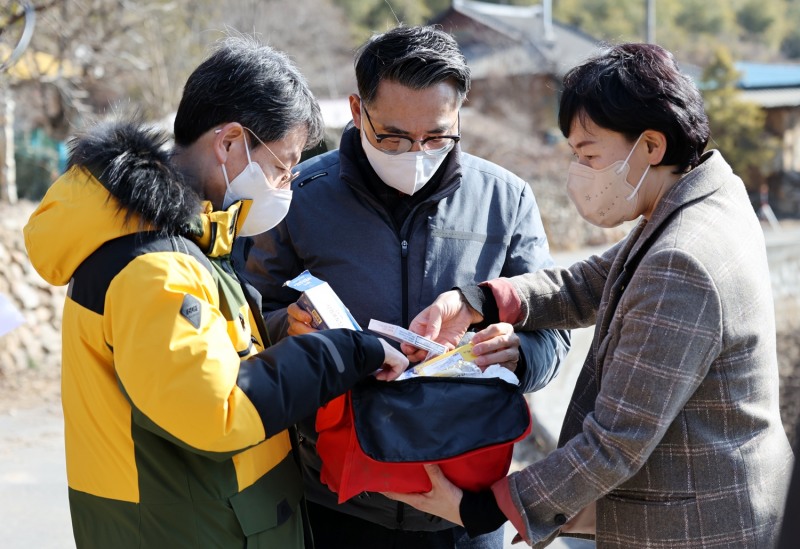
pixel 391 143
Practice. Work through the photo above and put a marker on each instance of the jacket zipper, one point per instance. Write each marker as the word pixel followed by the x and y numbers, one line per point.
pixel 404 275
pixel 400 512
pixel 312 178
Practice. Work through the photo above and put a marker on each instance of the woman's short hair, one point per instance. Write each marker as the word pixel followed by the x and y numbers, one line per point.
pixel 630 88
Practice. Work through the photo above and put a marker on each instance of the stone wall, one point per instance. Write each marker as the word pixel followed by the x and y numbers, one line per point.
pixel 783 249
pixel 784 265
pixel 30 356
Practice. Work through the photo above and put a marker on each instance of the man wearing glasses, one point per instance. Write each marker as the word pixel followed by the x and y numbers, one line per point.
pixel 393 217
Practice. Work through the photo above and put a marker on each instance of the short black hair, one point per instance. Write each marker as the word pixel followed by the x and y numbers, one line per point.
pixel 416 57
pixel 245 81
pixel 630 88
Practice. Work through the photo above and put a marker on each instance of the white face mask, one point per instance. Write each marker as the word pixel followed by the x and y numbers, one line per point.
pixel 407 172
pixel 604 197
pixel 270 205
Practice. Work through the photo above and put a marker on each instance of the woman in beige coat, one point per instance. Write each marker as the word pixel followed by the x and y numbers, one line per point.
pixel 673 437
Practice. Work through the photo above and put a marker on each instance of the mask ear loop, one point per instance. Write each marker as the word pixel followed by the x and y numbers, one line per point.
pixel 224 171
pixel 639 184
pixel 630 153
pixel 641 179
pixel 249 160
pixel 225 175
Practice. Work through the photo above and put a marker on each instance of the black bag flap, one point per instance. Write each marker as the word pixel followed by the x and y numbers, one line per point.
pixel 428 419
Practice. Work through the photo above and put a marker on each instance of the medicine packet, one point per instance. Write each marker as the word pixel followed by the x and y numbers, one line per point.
pixel 406 336
pixel 320 301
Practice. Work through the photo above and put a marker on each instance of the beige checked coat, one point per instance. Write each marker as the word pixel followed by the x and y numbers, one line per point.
pixel 674 426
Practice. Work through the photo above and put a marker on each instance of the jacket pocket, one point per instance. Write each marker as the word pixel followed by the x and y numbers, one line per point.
pixel 271 500
pixel 464 257
pixel 635 519
pixel 650 498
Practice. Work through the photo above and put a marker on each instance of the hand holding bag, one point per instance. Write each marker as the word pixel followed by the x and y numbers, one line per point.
pixel 377 436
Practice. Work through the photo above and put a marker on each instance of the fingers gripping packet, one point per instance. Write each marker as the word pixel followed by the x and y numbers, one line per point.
pixel 406 336
pixel 320 301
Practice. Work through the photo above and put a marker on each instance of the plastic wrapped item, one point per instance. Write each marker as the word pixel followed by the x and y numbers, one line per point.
pixel 495 370
pixel 452 368
pixel 458 363
pixel 10 317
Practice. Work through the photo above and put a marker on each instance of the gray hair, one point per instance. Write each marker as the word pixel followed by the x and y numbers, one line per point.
pixel 247 82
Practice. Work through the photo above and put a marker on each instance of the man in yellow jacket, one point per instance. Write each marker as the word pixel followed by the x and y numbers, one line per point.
pixel 177 410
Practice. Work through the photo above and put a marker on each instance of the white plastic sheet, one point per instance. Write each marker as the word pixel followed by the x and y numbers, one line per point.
pixel 10 317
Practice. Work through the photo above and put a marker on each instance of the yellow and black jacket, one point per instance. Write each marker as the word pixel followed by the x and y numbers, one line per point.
pixel 175 415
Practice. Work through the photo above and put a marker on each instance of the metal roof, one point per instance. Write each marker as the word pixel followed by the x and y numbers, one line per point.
pixel 769 85
pixel 768 75
pixel 537 44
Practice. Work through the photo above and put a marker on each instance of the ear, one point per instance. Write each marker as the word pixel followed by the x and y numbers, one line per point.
pixel 656 143
pixel 226 137
pixel 355 109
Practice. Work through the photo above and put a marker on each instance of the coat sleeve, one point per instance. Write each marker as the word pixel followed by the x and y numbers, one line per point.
pixel 292 379
pixel 557 297
pixel 669 334
pixel 176 364
pixel 541 351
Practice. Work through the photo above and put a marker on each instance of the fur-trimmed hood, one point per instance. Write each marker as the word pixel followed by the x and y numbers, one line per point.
pixel 120 181
pixel 134 165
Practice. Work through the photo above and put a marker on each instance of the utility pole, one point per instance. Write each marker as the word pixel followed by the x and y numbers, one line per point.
pixel 650 31
pixel 19 20
pixel 547 18
pixel 8 166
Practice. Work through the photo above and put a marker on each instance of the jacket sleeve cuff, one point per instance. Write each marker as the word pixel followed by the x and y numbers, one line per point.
pixel 480 513
pixel 374 353
pixel 481 299
pixel 502 495
pixel 505 298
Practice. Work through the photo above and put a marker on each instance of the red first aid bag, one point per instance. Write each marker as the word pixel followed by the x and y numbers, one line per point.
pixel 376 437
